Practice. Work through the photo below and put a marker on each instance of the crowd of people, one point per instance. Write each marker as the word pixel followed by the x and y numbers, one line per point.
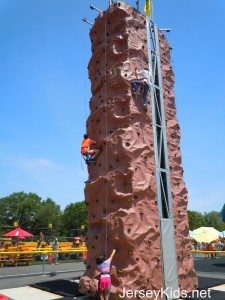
pixel 217 245
pixel 213 246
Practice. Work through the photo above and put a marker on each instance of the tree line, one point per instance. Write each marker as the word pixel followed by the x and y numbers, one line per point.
pixel 210 219
pixel 34 214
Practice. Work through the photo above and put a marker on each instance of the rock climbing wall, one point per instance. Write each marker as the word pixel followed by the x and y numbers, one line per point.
pixel 121 190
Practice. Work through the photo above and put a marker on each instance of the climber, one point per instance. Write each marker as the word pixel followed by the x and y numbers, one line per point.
pixel 88 154
pixel 104 273
pixel 144 81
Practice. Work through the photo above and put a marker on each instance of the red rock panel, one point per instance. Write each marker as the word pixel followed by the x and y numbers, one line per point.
pixel 121 191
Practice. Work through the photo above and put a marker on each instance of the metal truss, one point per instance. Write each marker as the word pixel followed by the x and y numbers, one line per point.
pixel 164 197
pixel 159 126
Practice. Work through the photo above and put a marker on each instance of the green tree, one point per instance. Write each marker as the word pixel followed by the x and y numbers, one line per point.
pixel 196 219
pixel 31 213
pixel 213 219
pixel 73 217
pixel 48 213
pixel 20 207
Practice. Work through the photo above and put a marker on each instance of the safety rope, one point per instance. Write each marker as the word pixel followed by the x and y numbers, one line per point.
pixel 84 74
pixel 106 148
pixel 84 82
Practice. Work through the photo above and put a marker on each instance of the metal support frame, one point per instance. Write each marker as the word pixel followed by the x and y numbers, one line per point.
pixel 159 125
pixel 168 249
pixel 88 22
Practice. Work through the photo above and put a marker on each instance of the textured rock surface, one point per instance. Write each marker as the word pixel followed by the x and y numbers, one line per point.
pixel 121 193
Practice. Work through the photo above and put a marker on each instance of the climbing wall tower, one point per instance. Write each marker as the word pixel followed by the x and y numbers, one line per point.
pixel 121 192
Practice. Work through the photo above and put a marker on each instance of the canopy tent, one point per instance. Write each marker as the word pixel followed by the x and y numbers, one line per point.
pixel 18 232
pixel 191 233
pixel 222 234
pixel 205 234
pixel 77 238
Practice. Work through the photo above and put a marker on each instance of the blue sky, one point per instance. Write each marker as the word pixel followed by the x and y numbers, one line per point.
pixel 44 95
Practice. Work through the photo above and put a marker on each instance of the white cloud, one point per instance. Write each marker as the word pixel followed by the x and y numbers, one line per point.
pixel 38 165
pixel 61 182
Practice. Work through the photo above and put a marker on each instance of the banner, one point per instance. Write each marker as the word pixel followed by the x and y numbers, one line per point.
pixel 147 8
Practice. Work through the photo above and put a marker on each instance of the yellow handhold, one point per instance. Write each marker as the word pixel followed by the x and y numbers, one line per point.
pixel 114 141
pixel 119 271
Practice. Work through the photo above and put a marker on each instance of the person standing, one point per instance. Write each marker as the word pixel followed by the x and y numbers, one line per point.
pixel 2 245
pixel 55 247
pixel 105 279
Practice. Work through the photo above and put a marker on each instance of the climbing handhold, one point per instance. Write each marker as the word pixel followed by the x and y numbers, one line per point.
pixel 119 271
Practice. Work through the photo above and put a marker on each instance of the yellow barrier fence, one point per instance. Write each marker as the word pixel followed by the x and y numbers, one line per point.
pixel 208 252
pixel 27 256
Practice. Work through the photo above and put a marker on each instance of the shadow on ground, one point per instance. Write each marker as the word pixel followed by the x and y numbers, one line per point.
pixel 69 289
pixel 211 265
pixel 60 287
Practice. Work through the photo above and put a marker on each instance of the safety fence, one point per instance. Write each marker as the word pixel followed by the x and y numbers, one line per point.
pixel 16 257
pixel 208 252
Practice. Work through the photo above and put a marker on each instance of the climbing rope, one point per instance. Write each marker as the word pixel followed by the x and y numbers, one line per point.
pixel 84 82
pixel 106 148
pixel 84 74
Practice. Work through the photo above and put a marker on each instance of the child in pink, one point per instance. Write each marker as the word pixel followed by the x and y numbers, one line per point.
pixel 105 280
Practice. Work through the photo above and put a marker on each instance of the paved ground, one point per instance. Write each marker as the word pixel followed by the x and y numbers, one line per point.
pixel 19 276
pixel 59 281
pixel 43 283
